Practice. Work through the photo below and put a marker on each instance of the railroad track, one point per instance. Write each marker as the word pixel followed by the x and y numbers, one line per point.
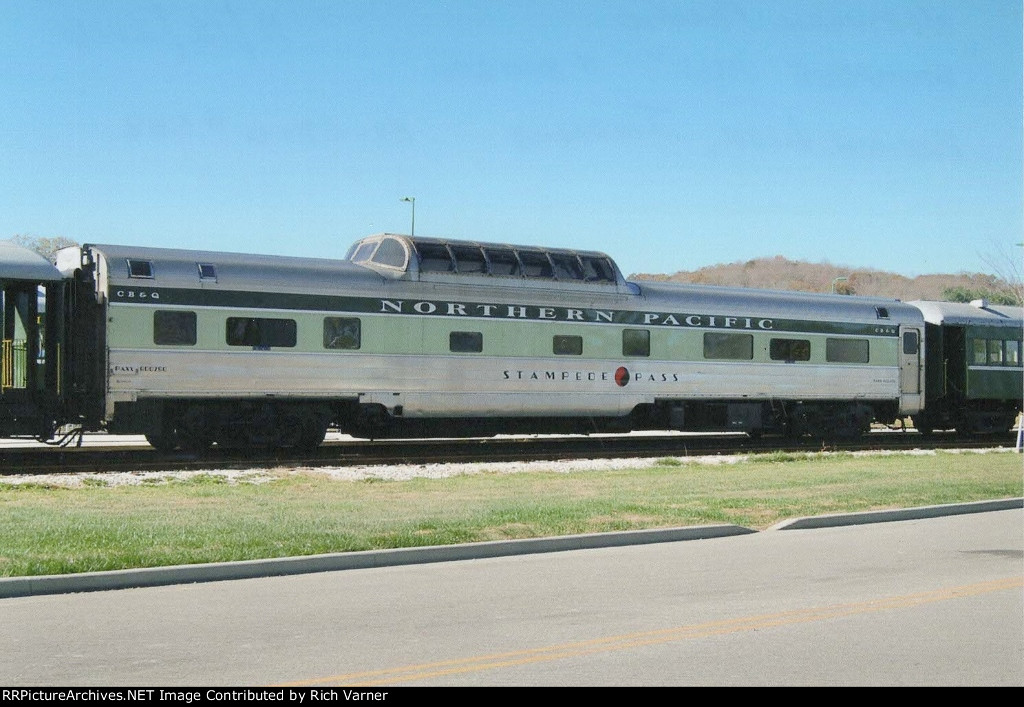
pixel 139 457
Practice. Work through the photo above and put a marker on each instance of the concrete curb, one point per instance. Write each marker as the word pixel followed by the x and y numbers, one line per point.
pixel 838 519
pixel 249 569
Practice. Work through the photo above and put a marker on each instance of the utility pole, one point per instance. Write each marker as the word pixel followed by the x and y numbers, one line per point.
pixel 411 200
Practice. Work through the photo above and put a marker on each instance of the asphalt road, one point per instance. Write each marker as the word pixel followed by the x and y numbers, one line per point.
pixel 929 601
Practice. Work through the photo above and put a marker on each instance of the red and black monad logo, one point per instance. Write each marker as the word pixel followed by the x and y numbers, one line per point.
pixel 621 376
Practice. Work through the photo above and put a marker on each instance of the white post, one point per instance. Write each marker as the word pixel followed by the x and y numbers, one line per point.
pixel 1020 432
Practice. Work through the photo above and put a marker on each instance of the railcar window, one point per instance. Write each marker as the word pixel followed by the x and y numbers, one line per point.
pixel 882 312
pixel 535 264
pixel 846 350
pixel 466 342
pixel 999 353
pixel 363 252
pixel 207 271
pixel 1012 353
pixel 738 347
pixel 567 345
pixel 390 252
pixel 342 333
pixel 597 269
pixel 980 352
pixel 995 352
pixel 789 350
pixel 636 342
pixel 260 333
pixel 469 259
pixel 567 267
pixel 910 342
pixel 174 328
pixel 434 257
pixel 503 262
pixel 140 268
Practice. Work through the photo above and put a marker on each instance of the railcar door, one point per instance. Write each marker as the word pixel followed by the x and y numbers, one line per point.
pixel 20 341
pixel 911 344
pixel 26 398
pixel 31 331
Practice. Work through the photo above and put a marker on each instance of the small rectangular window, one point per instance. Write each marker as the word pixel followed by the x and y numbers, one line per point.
pixel 535 264
pixel 469 259
pixel 207 271
pixel 846 350
pixel 980 352
pixel 466 342
pixel 995 352
pixel 140 268
pixel 597 269
pixel 502 262
pixel 567 345
pixel 910 342
pixel 1012 353
pixel 567 267
pixel 174 328
pixel 636 342
pixel 434 257
pixel 789 350
pixel 736 347
pixel 342 333
pixel 261 333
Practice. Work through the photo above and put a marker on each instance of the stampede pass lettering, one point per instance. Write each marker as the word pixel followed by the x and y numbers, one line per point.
pixel 556 375
pixel 621 376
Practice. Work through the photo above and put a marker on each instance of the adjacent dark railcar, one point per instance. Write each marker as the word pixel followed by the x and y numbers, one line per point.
pixel 973 364
pixel 33 370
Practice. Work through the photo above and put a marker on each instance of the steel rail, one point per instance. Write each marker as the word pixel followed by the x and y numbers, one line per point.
pixel 142 458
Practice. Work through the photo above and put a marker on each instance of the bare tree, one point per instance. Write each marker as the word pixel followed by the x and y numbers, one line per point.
pixel 46 247
pixel 1007 265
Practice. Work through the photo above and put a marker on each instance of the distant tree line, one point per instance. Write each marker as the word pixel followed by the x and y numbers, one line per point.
pixel 779 273
pixel 965 294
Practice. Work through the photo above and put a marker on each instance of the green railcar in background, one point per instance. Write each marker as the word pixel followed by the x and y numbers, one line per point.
pixel 974 363
pixel 31 343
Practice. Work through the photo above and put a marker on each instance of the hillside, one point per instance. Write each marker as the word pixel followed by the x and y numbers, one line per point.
pixel 779 273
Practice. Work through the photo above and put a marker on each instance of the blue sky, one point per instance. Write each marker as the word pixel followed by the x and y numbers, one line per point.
pixel 670 134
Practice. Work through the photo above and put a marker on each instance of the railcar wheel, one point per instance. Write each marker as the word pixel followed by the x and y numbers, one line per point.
pixel 923 425
pixel 301 427
pixel 163 443
pixel 193 431
pixel 313 431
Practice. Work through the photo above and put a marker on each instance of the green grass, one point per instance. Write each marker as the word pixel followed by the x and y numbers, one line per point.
pixel 49 530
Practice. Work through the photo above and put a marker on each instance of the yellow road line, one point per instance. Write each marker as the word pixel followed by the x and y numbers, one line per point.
pixel 390 676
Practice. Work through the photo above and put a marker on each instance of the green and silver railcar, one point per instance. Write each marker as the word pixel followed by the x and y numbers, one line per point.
pixel 413 336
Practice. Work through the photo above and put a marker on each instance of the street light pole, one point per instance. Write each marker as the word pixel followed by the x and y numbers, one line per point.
pixel 411 200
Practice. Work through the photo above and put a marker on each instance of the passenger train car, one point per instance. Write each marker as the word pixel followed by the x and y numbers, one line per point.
pixel 973 366
pixel 419 336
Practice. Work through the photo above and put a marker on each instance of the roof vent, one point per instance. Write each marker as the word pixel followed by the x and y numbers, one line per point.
pixel 979 303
